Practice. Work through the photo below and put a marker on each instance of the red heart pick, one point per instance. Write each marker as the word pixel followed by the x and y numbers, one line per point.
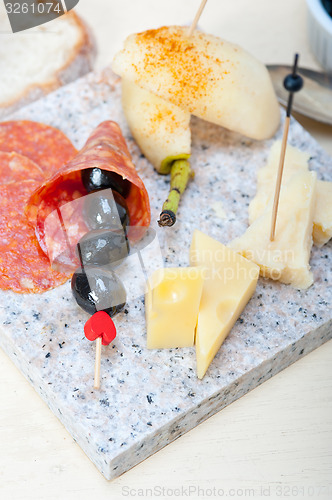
pixel 100 325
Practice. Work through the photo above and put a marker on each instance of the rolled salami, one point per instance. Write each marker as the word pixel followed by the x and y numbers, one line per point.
pixel 56 207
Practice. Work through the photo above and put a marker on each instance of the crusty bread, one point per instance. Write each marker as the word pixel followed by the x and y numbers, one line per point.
pixel 37 61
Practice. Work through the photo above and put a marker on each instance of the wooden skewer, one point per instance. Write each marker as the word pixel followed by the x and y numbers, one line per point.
pixel 97 363
pixel 198 15
pixel 99 328
pixel 98 340
pixel 292 83
pixel 279 178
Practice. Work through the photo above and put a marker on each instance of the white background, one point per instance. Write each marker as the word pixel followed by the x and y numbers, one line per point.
pixel 277 437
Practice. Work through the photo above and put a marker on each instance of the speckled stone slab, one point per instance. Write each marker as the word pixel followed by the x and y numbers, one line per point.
pixel 150 398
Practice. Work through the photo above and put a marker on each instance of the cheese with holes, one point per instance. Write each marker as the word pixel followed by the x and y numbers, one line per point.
pixel 171 306
pixel 287 257
pixel 229 282
pixel 295 162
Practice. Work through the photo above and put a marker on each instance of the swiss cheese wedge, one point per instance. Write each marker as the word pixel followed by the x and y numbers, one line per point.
pixel 286 258
pixel 161 129
pixel 229 282
pixel 295 161
pixel 171 307
pixel 204 75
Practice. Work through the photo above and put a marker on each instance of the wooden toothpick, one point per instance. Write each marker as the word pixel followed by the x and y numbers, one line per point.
pixel 293 83
pixel 99 328
pixel 279 178
pixel 97 363
pixel 198 15
pixel 98 339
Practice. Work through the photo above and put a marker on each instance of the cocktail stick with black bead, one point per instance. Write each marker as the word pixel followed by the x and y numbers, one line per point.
pixel 293 83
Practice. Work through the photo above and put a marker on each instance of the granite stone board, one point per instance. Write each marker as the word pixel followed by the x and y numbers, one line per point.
pixel 149 398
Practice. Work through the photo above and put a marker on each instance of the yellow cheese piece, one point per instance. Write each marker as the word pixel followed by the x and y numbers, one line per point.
pixel 171 306
pixel 322 231
pixel 287 257
pixel 229 282
pixel 295 162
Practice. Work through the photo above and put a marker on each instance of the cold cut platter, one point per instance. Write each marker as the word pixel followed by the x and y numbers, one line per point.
pixel 148 396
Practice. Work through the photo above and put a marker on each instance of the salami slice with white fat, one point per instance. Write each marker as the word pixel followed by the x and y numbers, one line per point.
pixel 24 268
pixel 15 167
pixel 47 146
pixel 55 208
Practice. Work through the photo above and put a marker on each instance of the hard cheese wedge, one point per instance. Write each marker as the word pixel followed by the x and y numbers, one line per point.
pixel 171 306
pixel 229 282
pixel 161 129
pixel 287 257
pixel 322 230
pixel 295 162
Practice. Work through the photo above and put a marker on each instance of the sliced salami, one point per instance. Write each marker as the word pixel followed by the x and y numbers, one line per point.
pixel 23 266
pixel 15 167
pixel 47 146
pixel 58 222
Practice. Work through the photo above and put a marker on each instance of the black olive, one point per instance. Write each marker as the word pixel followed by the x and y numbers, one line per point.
pixel 293 83
pixel 100 247
pixel 327 4
pixel 95 178
pixel 96 289
pixel 105 209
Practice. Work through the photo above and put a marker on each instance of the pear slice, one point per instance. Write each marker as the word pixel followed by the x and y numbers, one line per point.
pixel 204 75
pixel 161 129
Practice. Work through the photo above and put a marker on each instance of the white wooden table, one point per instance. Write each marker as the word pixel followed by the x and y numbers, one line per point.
pixel 276 442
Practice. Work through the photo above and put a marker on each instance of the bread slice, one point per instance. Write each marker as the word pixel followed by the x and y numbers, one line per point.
pixel 37 61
